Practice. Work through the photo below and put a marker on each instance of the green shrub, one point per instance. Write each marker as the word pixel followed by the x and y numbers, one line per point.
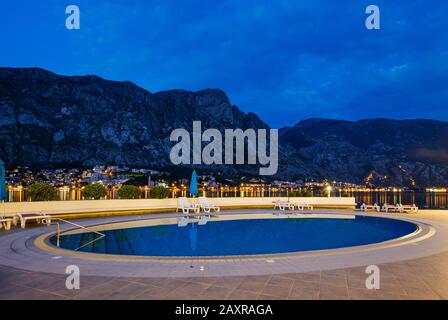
pixel 345 195
pixel 300 194
pixel 94 191
pixel 41 192
pixel 129 192
pixel 307 194
pixel 294 194
pixel 160 192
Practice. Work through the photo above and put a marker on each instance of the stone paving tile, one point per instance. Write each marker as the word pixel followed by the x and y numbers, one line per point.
pixel 328 290
pixel 278 280
pixel 86 284
pixel 441 289
pixel 189 291
pixel 334 273
pixel 323 296
pixel 239 294
pixel 414 282
pixel 11 291
pixel 421 293
pixel 44 282
pixel 229 282
pixel 285 276
pixel 281 292
pixel 215 293
pixel 22 293
pixel 129 291
pixel 366 294
pixel 195 287
pixel 260 279
pixel 334 280
pixel 363 294
pixel 266 297
pixel 204 280
pixel 153 293
pixel 163 282
pixel 308 276
pixel 300 284
pixel 251 285
pixel 102 291
pixel 304 293
pixel 14 278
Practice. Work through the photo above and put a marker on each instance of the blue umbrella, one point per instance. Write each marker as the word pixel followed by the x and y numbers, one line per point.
pixel 2 182
pixel 194 184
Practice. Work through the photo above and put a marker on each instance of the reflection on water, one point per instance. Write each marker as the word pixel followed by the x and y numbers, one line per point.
pixel 423 199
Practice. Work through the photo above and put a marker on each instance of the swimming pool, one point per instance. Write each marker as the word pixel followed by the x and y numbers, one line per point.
pixel 240 237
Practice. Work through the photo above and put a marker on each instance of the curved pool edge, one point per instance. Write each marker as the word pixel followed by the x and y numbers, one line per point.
pixel 423 231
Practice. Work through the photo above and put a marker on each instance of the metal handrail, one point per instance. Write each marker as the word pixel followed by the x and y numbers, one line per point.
pixel 101 235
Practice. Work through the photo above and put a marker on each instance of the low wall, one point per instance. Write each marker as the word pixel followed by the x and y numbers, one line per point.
pixel 68 208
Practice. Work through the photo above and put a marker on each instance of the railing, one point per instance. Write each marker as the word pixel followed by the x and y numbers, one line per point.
pixel 101 235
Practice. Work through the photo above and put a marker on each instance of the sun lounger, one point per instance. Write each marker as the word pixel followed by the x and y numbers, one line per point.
pixel 407 208
pixel 367 207
pixel 390 208
pixel 5 223
pixel 186 206
pixel 204 205
pixel 39 217
pixel 283 205
pixel 303 205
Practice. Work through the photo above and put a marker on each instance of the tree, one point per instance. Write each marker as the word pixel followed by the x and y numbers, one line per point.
pixel 94 191
pixel 41 192
pixel 160 192
pixel 129 192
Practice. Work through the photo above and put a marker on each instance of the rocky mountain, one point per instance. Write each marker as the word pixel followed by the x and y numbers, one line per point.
pixel 47 120
pixel 376 151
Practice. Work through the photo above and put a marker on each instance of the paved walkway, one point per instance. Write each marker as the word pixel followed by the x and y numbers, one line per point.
pixel 425 278
pixel 421 278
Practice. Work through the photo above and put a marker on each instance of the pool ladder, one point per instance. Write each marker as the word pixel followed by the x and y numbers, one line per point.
pixel 59 232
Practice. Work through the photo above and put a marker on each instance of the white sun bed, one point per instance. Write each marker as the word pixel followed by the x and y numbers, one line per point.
pixel 390 208
pixel 207 207
pixel 39 217
pixel 304 205
pixel 407 208
pixel 186 206
pixel 367 207
pixel 5 223
pixel 283 205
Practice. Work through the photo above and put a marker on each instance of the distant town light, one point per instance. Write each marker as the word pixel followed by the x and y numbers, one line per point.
pixel 329 190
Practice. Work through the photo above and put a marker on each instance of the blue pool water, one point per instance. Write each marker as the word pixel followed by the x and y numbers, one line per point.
pixel 241 237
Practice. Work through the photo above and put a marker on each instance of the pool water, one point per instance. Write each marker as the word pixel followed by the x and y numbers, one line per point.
pixel 241 237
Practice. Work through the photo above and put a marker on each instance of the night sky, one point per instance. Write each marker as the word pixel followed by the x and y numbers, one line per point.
pixel 284 60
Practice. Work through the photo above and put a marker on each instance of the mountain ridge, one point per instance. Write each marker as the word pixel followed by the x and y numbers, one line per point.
pixel 48 120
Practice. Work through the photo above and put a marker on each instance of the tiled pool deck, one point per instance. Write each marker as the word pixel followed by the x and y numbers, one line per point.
pixel 425 277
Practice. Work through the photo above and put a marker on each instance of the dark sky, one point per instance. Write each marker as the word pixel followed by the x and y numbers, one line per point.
pixel 284 60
